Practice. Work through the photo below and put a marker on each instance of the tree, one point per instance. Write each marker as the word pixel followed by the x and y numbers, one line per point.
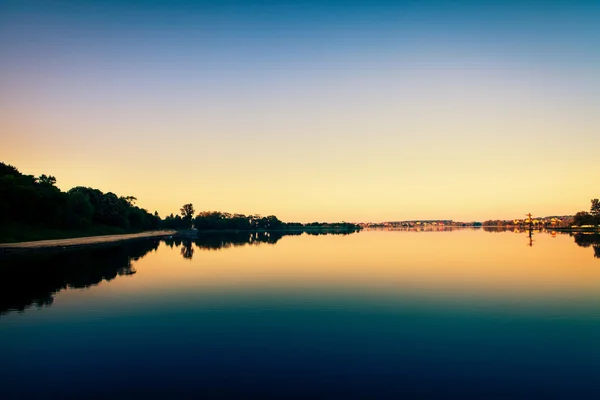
pixel 28 202
pixel 47 180
pixel 80 211
pixel 7 169
pixel 187 212
pixel 583 218
pixel 595 209
pixel 130 200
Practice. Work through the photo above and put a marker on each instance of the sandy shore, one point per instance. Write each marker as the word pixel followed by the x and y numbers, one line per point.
pixel 81 241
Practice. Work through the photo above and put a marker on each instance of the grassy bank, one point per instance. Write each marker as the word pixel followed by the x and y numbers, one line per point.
pixel 27 233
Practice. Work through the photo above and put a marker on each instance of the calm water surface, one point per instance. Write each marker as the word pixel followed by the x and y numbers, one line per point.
pixel 374 314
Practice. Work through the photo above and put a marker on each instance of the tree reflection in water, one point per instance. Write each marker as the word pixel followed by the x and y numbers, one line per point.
pixel 582 239
pixel 187 251
pixel 223 240
pixel 34 279
pixel 587 240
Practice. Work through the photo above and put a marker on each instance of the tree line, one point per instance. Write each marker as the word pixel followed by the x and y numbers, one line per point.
pixel 34 208
pixel 34 279
pixel 29 203
pixel 27 280
pixel 592 217
pixel 217 220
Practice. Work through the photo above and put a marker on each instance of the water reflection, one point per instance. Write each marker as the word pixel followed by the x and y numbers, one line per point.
pixel 465 314
pixel 224 240
pixel 587 240
pixel 582 239
pixel 34 279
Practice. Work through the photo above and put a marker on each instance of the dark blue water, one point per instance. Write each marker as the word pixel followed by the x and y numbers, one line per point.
pixel 206 326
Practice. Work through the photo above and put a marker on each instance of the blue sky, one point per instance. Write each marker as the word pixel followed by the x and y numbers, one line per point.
pixel 289 107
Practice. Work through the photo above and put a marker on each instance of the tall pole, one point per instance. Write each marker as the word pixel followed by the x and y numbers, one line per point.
pixel 530 229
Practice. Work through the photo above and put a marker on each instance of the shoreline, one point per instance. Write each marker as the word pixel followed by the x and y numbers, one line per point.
pixel 84 241
pixel 569 229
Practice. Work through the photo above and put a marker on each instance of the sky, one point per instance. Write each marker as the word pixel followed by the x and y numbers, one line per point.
pixel 309 110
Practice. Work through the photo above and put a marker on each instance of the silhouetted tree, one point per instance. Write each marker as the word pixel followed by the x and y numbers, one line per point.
pixel 583 218
pixel 28 203
pixel 81 211
pixel 595 211
pixel 47 180
pixel 187 212
pixel 130 200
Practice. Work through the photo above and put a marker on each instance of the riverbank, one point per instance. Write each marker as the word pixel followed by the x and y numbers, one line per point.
pixel 70 243
pixel 570 229
pixel 55 244
pixel 17 233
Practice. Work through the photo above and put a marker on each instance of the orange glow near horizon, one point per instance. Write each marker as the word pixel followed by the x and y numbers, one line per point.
pixel 378 180
pixel 422 115
pixel 435 264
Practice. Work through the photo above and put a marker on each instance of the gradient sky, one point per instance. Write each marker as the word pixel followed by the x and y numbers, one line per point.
pixel 309 110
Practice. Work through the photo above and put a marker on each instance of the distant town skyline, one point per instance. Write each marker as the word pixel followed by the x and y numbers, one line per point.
pixel 311 111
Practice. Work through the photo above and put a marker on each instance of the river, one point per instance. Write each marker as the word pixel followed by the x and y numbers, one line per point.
pixel 373 314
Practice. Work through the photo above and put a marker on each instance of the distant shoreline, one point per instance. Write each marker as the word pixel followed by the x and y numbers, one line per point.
pixel 575 229
pixel 292 229
pixel 561 229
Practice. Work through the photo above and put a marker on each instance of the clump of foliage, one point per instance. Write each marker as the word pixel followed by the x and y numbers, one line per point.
pixel 223 220
pixel 36 203
pixel 589 218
